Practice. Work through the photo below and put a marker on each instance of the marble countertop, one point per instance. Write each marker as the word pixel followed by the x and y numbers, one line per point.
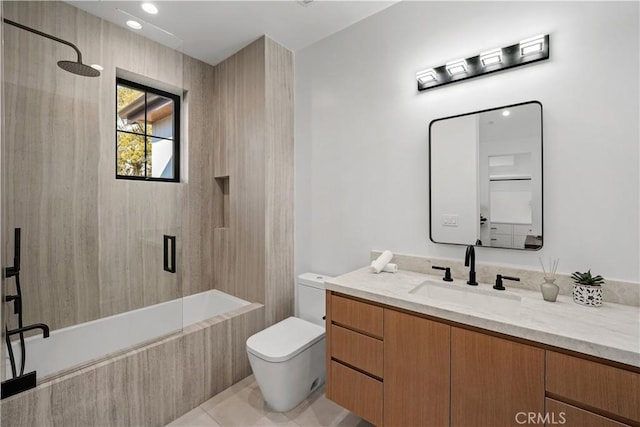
pixel 611 332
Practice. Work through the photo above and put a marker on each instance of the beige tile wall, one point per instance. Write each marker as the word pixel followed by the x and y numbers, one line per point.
pixel 150 386
pixel 92 245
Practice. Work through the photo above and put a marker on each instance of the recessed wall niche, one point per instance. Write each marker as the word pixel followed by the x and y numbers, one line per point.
pixel 221 200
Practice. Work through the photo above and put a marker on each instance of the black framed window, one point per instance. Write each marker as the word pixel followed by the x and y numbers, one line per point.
pixel 147 133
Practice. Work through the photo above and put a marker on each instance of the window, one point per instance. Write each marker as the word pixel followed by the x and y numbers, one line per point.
pixel 147 133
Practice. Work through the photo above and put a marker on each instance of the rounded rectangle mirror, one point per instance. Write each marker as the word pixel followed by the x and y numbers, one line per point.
pixel 485 178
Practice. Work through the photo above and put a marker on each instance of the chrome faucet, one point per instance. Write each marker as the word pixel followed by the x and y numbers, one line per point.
pixel 470 261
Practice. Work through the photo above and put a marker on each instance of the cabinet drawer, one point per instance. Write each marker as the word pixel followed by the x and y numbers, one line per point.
pixel 357 350
pixel 501 228
pixel 600 386
pixel 570 416
pixel 502 240
pixel 357 315
pixel 357 392
pixel 522 229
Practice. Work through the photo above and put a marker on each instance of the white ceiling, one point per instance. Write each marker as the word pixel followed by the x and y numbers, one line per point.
pixel 213 30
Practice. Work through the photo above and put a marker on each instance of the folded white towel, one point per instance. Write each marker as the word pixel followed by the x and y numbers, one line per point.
pixel 383 259
pixel 390 268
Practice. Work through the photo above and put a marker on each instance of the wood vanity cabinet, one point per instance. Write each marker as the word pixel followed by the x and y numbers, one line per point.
pixel 354 356
pixel 493 380
pixel 399 369
pixel 612 392
pixel 416 371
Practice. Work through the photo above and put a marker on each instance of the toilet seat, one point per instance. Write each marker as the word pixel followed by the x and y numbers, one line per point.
pixel 285 339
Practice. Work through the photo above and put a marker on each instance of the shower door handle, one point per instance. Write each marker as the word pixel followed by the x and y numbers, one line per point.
pixel 169 253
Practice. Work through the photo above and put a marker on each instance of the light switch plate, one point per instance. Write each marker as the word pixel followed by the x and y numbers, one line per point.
pixel 450 220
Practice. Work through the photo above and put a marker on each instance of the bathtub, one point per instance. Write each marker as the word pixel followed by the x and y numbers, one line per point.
pixel 81 344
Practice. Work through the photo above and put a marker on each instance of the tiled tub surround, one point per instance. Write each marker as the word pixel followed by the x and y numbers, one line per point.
pixel 615 291
pixel 610 332
pixel 149 386
pixel 73 346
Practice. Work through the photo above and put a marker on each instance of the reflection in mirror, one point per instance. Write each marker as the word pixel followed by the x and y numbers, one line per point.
pixel 485 178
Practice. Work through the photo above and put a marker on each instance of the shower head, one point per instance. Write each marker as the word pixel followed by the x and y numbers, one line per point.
pixel 78 68
pixel 75 67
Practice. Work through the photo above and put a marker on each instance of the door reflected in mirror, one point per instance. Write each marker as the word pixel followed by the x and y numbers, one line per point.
pixel 485 178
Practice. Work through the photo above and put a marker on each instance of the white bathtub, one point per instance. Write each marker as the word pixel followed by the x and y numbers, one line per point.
pixel 79 344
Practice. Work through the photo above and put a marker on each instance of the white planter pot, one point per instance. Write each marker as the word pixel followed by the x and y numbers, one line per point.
pixel 587 295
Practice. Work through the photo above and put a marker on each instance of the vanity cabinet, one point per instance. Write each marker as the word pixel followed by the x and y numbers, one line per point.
pixel 416 370
pixel 399 369
pixel 355 356
pixel 506 235
pixel 612 391
pixel 493 380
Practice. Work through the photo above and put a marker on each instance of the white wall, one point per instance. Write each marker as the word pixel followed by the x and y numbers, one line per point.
pixel 457 196
pixel 361 130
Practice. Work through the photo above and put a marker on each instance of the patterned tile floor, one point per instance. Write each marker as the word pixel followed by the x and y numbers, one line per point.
pixel 241 405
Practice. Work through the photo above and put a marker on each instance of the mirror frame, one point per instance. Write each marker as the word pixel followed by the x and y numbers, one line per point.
pixel 541 174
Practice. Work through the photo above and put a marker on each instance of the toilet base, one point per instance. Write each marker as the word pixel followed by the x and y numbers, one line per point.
pixel 285 384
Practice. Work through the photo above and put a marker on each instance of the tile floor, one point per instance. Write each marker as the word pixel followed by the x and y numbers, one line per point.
pixel 241 405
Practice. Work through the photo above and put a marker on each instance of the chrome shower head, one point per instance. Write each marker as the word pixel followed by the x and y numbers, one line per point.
pixel 78 68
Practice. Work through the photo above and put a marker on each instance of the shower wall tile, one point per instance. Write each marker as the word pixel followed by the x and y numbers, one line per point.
pixel 150 386
pixel 92 245
pixel 278 183
pixel 253 140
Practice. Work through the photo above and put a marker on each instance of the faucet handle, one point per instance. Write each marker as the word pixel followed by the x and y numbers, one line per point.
pixel 447 273
pixel 499 286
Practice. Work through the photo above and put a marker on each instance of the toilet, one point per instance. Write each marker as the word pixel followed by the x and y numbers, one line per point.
pixel 288 358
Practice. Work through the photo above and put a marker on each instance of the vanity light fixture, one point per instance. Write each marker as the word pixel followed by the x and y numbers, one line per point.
pixel 532 45
pixel 527 51
pixel 458 66
pixel 491 57
pixel 426 76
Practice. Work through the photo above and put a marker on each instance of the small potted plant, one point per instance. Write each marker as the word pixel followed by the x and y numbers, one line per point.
pixel 587 289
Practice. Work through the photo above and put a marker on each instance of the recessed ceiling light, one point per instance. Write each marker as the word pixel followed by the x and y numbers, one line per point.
pixel 97 67
pixel 506 113
pixel 149 8
pixel 134 24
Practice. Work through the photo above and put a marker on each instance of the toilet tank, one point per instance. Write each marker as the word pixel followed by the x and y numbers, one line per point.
pixel 311 297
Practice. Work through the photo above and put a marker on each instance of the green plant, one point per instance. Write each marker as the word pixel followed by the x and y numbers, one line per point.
pixel 587 279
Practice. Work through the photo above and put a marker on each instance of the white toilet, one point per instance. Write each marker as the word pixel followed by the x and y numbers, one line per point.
pixel 288 358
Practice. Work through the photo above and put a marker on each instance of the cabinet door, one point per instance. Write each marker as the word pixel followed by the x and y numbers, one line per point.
pixel 416 371
pixel 493 380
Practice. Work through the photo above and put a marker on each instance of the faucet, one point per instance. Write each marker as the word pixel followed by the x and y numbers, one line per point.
pixel 470 261
pixel 45 330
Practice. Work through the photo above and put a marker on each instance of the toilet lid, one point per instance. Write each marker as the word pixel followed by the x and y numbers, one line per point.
pixel 284 340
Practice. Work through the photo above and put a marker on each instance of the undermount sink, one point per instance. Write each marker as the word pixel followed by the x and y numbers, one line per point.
pixel 495 302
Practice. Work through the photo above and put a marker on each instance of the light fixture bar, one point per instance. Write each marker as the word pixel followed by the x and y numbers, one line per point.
pixel 524 52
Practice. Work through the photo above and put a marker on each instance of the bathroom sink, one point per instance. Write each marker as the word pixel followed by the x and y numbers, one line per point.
pixel 489 301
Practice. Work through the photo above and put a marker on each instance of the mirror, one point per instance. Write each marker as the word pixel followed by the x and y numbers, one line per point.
pixel 485 178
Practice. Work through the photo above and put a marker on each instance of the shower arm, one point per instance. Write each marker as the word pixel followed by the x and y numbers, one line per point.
pixel 49 36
